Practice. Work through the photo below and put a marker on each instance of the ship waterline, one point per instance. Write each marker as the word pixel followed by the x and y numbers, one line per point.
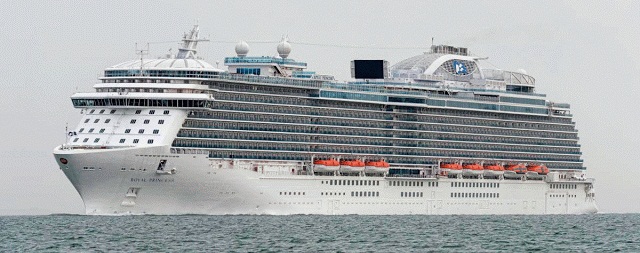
pixel 435 134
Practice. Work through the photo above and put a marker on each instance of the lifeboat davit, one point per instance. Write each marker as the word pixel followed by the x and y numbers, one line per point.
pixel 472 170
pixel 329 165
pixel 493 170
pixel 351 166
pixel 514 171
pixel 376 167
pixel 537 171
pixel 452 169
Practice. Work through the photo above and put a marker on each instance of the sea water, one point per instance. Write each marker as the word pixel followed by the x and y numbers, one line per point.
pixel 314 233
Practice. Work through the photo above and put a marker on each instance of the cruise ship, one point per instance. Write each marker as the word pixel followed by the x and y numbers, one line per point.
pixel 434 134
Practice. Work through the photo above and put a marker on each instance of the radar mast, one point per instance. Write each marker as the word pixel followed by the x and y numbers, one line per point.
pixel 189 43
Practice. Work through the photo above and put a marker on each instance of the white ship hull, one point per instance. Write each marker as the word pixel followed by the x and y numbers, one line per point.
pixel 200 185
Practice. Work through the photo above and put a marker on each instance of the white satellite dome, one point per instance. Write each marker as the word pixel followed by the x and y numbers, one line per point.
pixel 242 48
pixel 284 48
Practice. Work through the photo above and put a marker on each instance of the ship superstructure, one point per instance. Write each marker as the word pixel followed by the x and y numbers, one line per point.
pixel 434 134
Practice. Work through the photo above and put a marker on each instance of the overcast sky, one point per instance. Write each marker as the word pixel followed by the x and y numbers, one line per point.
pixel 583 53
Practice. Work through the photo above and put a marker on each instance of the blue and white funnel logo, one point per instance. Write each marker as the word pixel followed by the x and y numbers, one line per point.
pixel 459 68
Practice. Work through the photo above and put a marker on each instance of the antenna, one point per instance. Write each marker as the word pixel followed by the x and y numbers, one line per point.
pixel 142 52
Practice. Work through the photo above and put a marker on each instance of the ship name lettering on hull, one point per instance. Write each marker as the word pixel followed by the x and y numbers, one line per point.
pixel 152 180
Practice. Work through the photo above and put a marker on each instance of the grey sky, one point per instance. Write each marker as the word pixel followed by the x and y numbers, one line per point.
pixel 582 53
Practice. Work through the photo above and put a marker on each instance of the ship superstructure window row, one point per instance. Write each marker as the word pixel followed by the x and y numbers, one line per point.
pixel 413 184
pixel 342 148
pixel 373 132
pixel 313 93
pixel 305 101
pixel 351 182
pixel 260 88
pixel 475 184
pixel 186 103
pixel 411 194
pixel 379 98
pixel 361 120
pixel 563 186
pixel 400 122
pixel 365 194
pixel 363 140
pixel 161 73
pixel 475 195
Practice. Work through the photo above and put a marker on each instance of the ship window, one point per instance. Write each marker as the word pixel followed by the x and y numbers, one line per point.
pixel 122 140
pixel 126 131
pixel 81 129
pixel 166 112
pixel 161 121
pixel 91 130
pixel 135 140
pixel 138 111
pixel 112 112
pixel 85 140
pixel 86 120
pixel 92 111
pixel 107 120
pixel 152 111
pixel 156 131
pixel 146 121
pixel 149 141
pixel 96 140
pixel 133 121
pixel 101 111
pixel 76 139
pixel 102 130
pixel 141 131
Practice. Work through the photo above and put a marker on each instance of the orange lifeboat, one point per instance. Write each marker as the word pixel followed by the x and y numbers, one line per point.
pixel 493 170
pixel 517 168
pixel 472 169
pixel 329 165
pixel 376 167
pixel 540 169
pixel 351 166
pixel 536 171
pixel 514 171
pixel 452 169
